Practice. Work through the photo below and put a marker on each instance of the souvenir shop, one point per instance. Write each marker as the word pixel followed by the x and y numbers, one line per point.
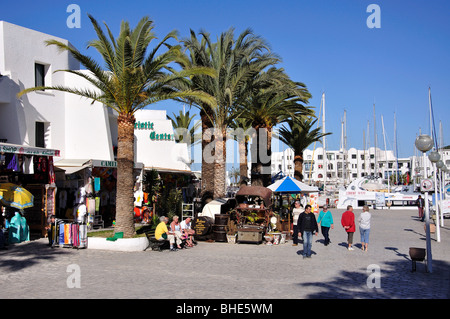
pixel 88 191
pixel 31 168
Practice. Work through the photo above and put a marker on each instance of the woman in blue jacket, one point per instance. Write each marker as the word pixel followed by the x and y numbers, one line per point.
pixel 326 221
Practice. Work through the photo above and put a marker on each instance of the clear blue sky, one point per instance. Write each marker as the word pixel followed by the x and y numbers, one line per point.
pixel 324 43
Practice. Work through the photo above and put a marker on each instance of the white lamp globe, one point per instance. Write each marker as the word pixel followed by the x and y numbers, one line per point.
pixel 424 143
pixel 434 157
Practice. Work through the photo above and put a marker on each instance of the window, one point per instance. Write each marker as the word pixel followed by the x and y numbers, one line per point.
pixel 40 134
pixel 353 156
pixel 39 74
pixel 320 157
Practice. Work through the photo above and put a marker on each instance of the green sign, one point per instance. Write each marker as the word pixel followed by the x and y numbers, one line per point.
pixel 161 136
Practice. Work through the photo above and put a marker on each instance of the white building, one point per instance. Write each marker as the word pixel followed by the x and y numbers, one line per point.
pixel 57 120
pixel 338 167
pixel 75 132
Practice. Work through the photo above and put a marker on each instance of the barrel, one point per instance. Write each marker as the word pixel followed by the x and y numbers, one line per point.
pixel 221 219
pixel 203 227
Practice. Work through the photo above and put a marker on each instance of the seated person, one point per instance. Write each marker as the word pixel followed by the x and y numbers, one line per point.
pixel 187 232
pixel 175 227
pixel 162 233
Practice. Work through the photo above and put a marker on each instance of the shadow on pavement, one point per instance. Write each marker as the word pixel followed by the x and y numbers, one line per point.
pixel 396 281
pixel 23 255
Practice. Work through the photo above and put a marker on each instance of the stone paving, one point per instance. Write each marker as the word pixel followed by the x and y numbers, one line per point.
pixel 240 271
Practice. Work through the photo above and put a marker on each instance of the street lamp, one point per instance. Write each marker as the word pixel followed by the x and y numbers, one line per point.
pixel 441 166
pixel 434 158
pixel 424 143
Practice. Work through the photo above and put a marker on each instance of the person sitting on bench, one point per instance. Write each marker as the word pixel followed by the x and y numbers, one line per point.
pixel 162 233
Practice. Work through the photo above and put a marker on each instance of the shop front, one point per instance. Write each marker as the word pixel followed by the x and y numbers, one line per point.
pixel 33 169
pixel 89 186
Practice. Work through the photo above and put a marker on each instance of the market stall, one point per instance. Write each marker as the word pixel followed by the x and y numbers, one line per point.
pixel 286 187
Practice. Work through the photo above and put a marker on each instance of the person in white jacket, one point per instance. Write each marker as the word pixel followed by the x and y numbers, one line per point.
pixel 364 227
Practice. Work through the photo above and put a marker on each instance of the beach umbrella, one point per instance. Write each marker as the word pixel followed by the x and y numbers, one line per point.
pixel 291 185
pixel 15 196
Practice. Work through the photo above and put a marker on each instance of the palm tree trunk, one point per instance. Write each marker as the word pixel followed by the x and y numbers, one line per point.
pixel 220 162
pixel 125 176
pixel 207 165
pixel 298 167
pixel 243 153
pixel 256 163
pixel 267 167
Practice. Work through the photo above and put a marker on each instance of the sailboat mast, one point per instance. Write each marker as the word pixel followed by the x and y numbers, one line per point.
pixel 375 140
pixel 385 155
pixel 325 159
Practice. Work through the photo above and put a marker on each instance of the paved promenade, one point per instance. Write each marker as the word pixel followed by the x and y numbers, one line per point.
pixel 241 271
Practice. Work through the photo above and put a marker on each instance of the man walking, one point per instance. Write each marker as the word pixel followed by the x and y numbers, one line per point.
pixel 307 226
pixel 420 204
pixel 348 222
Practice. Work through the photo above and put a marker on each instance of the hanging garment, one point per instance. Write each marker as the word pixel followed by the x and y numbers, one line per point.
pixel 24 230
pixel 14 233
pixel 83 236
pixel 66 234
pixel 61 234
pixel 11 162
pixel 28 166
pixel 76 235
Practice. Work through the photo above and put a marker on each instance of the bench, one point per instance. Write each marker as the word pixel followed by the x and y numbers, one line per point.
pixel 154 243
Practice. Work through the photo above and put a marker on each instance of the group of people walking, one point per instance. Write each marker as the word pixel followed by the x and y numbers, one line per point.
pixel 306 224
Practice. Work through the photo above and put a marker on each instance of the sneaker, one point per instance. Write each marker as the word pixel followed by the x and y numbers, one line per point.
pixel 350 248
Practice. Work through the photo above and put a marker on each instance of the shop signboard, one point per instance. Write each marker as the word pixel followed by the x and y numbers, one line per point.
pixel 27 150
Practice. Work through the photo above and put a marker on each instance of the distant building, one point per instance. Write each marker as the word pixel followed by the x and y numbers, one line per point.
pixel 339 167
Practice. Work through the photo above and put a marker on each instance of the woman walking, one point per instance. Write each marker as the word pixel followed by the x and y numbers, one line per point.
pixel 364 227
pixel 326 221
pixel 295 213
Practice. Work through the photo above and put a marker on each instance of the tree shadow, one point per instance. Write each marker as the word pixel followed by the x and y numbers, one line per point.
pixel 20 256
pixel 396 281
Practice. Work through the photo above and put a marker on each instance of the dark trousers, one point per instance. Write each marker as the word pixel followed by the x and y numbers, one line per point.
pixel 325 233
pixel 295 235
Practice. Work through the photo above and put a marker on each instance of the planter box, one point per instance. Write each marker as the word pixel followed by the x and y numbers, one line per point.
pixel 231 239
pixel 121 244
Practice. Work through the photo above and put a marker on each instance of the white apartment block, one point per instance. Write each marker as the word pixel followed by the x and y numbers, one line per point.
pixel 340 167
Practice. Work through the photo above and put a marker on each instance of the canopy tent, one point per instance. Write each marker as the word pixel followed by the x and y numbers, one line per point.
pixel 290 185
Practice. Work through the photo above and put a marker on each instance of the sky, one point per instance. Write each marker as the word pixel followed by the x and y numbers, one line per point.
pixel 326 44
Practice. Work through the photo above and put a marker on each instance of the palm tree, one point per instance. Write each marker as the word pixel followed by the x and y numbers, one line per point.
pixel 275 98
pixel 236 62
pixel 185 126
pixel 298 136
pixel 132 79
pixel 242 135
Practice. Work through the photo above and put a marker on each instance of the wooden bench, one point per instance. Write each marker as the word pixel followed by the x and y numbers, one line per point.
pixel 154 243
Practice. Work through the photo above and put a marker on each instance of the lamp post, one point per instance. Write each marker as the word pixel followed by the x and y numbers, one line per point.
pixel 442 168
pixel 424 143
pixel 434 158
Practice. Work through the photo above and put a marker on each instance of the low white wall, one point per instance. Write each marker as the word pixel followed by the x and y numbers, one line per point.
pixel 121 244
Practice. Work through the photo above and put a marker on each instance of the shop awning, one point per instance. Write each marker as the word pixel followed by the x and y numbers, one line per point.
pixel 74 165
pixel 27 150
pixel 169 170
pixel 71 166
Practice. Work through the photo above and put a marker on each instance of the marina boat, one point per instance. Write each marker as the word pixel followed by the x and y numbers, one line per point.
pixel 372 192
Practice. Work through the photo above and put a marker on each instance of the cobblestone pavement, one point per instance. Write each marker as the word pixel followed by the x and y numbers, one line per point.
pixel 241 271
